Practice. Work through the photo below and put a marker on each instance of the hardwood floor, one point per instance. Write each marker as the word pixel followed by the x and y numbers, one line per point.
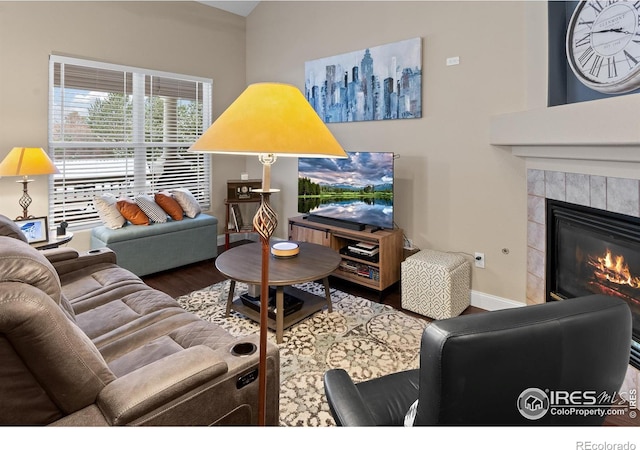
pixel 200 275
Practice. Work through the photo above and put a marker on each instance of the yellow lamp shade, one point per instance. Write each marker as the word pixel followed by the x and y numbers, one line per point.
pixel 270 118
pixel 24 161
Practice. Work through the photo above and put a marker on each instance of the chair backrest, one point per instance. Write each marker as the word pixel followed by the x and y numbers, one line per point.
pixel 511 366
pixel 9 228
pixel 49 368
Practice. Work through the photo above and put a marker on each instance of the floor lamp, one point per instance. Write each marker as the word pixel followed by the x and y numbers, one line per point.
pixel 26 161
pixel 268 120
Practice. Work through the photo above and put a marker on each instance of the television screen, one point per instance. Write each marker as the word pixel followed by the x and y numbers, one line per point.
pixel 356 189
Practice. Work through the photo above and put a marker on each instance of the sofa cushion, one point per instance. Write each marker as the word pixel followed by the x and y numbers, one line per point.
pixel 98 284
pixel 187 201
pixel 22 263
pixel 132 212
pixel 169 205
pixel 123 310
pixel 107 208
pixel 9 228
pixel 148 205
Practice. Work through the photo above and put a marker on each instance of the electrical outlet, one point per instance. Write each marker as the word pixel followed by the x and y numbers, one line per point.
pixel 479 257
pixel 454 60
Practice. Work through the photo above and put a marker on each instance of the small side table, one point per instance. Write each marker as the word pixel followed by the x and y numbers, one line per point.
pixel 54 241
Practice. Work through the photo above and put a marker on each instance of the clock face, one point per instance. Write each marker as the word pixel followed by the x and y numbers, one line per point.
pixel 603 45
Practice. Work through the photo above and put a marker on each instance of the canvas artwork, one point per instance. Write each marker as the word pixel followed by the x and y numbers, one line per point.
pixel 377 83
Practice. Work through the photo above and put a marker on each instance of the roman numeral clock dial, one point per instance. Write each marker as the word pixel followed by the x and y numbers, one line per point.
pixel 603 45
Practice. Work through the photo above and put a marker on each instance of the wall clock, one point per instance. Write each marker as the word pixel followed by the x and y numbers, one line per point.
pixel 603 45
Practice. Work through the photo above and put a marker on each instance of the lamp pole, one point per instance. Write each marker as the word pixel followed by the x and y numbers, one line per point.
pixel 265 222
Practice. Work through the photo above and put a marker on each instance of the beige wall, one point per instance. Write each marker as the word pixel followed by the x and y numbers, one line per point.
pixel 454 191
pixel 181 37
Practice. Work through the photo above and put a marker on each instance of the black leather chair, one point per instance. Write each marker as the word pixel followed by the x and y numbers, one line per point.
pixel 475 368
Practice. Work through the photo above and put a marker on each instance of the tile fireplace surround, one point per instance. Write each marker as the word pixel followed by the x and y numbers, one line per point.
pixel 587 154
pixel 620 195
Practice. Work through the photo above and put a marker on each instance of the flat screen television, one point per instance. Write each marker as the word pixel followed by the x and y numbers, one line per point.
pixel 354 190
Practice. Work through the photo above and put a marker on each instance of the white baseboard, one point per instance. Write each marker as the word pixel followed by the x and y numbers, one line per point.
pixel 491 302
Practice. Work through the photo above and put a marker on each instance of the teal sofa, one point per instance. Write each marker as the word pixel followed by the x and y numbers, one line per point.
pixel 147 249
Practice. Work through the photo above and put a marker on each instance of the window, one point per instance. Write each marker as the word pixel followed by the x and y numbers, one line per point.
pixel 125 131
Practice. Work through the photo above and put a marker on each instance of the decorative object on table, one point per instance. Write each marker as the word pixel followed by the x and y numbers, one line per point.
pixel 243 190
pixel 35 229
pixel 268 120
pixel 378 83
pixel 26 161
pixel 62 229
pixel 285 249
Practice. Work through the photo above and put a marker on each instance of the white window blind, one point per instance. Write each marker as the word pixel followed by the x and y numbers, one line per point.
pixel 125 131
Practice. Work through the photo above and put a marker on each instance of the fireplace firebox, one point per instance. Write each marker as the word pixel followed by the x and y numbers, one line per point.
pixel 592 251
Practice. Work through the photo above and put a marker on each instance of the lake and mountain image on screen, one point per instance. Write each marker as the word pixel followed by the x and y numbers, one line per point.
pixel 356 189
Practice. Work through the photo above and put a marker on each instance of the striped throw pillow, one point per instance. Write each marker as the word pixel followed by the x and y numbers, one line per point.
pixel 153 211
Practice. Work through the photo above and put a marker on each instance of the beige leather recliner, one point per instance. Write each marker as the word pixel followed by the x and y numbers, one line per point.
pixel 85 342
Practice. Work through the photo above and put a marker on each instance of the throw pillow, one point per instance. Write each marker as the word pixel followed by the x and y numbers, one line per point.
pixel 169 205
pixel 108 212
pixel 132 212
pixel 151 208
pixel 187 202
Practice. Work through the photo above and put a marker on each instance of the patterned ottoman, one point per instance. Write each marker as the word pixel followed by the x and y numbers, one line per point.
pixel 435 284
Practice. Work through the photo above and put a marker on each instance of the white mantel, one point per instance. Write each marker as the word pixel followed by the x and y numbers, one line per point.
pixel 599 130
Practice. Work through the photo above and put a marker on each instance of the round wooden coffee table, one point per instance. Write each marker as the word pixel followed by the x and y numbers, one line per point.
pixel 314 262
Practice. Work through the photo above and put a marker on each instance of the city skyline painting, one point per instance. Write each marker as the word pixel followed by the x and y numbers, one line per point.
pixel 377 83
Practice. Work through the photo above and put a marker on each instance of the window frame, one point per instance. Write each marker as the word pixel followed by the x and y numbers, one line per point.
pixel 140 175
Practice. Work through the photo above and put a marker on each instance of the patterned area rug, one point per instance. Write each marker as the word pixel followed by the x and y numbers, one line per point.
pixel 365 338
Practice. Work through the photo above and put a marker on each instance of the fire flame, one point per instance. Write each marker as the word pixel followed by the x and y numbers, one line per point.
pixel 614 269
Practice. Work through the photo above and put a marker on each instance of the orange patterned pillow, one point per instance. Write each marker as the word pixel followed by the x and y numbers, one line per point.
pixel 169 205
pixel 132 212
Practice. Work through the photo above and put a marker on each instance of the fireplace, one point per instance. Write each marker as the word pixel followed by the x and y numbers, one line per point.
pixel 592 251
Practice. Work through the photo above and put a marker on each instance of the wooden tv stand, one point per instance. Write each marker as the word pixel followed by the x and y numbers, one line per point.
pixel 375 273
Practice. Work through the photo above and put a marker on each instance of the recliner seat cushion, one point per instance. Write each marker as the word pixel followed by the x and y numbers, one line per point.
pixel 129 308
pixel 89 284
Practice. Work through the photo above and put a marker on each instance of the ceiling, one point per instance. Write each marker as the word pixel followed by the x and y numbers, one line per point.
pixel 240 7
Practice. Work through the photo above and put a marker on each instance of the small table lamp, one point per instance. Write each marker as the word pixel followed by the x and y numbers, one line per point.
pixel 24 161
pixel 268 120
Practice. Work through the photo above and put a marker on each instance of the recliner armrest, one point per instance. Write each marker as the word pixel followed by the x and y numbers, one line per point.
pixel 55 255
pixel 66 262
pixel 345 402
pixel 150 387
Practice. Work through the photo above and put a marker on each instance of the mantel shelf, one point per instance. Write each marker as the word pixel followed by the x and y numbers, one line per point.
pixel 601 130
